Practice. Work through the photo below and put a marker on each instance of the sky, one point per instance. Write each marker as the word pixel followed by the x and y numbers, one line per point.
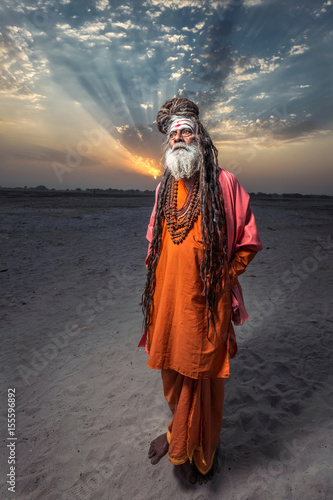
pixel 82 80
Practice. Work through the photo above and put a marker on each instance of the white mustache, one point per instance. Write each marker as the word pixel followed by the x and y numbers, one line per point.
pixel 179 145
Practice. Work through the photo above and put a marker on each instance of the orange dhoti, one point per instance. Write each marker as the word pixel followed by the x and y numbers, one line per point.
pixel 197 407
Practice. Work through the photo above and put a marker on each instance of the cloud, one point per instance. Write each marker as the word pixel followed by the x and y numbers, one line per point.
pixel 195 28
pixel 126 25
pixel 153 15
pixel 263 65
pixel 173 38
pixel 226 109
pixel 267 65
pixel 252 3
pixel 21 67
pixel 122 129
pixel 298 130
pixel 99 33
pixel 246 76
pixel 146 106
pixel 270 130
pixel 102 5
pixel 323 9
pixel 184 47
pixel 177 74
pixel 261 96
pixel 171 4
pixel 297 50
pixel 145 141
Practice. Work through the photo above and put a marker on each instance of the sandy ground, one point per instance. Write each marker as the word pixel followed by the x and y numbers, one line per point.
pixel 87 406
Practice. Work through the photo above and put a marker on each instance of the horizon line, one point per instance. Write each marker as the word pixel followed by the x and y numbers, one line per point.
pixel 41 188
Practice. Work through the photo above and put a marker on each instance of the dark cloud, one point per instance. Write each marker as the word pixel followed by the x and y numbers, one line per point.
pixel 298 130
pixel 217 59
pixel 145 141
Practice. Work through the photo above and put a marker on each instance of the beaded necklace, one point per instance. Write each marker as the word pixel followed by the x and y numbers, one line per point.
pixel 180 220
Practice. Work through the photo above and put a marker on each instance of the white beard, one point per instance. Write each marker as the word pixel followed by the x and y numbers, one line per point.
pixel 182 160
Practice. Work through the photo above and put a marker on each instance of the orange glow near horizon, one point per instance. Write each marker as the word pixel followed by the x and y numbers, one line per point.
pixel 147 166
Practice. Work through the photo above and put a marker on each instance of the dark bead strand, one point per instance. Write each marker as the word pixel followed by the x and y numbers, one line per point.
pixel 188 213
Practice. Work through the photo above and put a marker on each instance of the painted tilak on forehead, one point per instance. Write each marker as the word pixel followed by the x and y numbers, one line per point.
pixel 180 123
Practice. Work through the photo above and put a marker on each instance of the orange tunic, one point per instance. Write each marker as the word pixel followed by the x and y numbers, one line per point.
pixel 177 333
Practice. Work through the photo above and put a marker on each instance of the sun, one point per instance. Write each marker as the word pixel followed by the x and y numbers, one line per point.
pixel 146 166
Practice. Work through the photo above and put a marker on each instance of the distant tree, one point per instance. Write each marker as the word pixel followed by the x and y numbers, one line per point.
pixel 292 195
pixel 261 194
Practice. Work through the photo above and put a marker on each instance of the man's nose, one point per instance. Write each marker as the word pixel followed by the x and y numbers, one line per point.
pixel 178 136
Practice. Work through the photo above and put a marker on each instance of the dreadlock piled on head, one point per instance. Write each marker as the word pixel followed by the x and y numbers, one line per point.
pixel 211 208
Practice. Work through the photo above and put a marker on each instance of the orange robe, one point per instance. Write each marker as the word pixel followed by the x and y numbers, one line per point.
pixel 192 367
pixel 177 332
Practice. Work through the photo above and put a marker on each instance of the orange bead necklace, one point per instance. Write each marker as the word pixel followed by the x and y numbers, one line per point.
pixel 180 220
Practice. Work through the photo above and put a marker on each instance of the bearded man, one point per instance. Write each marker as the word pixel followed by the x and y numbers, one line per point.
pixel 202 235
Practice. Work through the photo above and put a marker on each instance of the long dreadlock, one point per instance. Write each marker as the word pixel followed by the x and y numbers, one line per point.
pixel 211 208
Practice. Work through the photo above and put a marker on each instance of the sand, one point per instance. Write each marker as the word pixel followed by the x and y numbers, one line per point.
pixel 87 406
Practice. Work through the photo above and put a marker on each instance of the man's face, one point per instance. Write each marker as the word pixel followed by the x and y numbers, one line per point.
pixel 186 135
pixel 182 156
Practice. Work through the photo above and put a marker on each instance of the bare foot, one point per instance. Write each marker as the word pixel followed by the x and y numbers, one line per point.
pixel 187 473
pixel 158 448
pixel 202 479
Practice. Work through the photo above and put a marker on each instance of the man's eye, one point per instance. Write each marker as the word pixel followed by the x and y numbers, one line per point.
pixel 187 131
